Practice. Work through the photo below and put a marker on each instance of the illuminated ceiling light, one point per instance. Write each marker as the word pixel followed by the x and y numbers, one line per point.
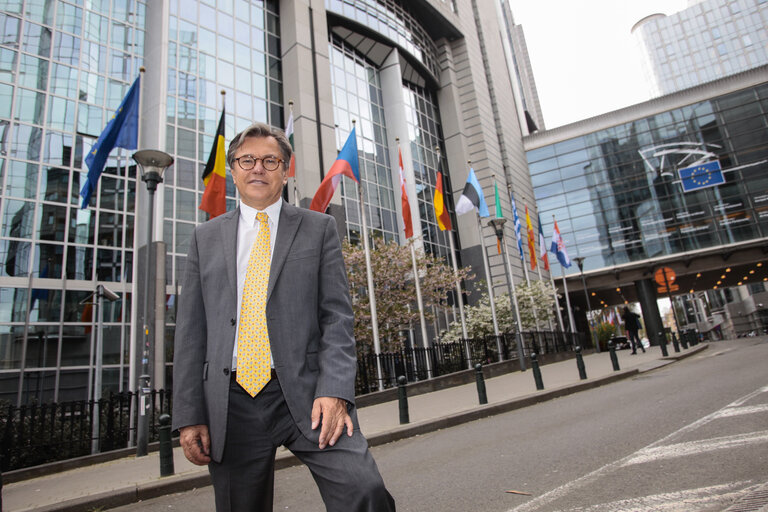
pixel 719 282
pixel 618 290
pixel 728 269
pixel 698 275
pixel 744 278
pixel 722 276
pixel 739 283
pixel 627 302
pixel 714 287
pixel 751 271
pixel 593 294
pixel 760 264
pixel 690 291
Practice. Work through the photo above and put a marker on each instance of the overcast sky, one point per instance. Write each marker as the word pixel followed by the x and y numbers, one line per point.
pixel 584 59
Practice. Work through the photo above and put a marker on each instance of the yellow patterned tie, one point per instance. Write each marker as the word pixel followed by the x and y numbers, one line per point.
pixel 253 355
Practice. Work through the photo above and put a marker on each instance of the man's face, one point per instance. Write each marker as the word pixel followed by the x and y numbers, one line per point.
pixel 258 187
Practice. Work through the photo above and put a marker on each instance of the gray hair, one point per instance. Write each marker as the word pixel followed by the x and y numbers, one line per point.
pixel 260 130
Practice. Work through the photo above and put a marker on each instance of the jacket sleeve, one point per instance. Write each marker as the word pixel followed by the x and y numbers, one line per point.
pixel 190 342
pixel 337 359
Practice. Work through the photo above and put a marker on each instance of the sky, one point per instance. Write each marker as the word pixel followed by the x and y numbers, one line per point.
pixel 584 58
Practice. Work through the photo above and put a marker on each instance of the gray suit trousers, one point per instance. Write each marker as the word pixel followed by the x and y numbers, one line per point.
pixel 346 474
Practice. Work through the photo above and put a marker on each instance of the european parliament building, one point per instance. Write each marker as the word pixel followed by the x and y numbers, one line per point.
pixel 448 74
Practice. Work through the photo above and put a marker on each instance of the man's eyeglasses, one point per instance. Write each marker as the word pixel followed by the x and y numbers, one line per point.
pixel 269 163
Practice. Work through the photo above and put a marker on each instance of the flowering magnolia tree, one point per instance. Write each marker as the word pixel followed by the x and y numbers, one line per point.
pixel 395 289
pixel 479 318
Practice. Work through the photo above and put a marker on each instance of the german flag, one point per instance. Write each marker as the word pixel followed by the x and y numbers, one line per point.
pixel 441 212
pixel 215 175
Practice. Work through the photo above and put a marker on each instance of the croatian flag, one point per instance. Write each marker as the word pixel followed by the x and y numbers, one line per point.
pixel 558 247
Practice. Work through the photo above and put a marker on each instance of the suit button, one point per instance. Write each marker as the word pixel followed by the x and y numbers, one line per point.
pixel 232 321
pixel 226 371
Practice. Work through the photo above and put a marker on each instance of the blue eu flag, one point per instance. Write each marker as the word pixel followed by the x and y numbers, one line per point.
pixel 122 131
pixel 701 176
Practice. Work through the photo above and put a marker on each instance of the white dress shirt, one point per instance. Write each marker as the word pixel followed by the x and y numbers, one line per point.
pixel 247 230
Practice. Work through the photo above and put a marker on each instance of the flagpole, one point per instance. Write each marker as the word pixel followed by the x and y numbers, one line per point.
pixel 513 293
pixel 295 189
pixel 420 302
pixel 369 272
pixel 488 274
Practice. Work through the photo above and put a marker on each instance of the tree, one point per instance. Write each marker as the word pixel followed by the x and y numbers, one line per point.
pixel 479 318
pixel 396 305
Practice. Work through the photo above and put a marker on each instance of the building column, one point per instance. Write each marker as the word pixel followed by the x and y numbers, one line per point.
pixel 646 295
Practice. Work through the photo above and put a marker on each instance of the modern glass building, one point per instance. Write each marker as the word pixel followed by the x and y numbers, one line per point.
pixel 424 72
pixel 708 40
pixel 635 190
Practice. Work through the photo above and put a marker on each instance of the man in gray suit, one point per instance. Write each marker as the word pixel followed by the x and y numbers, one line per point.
pixel 307 403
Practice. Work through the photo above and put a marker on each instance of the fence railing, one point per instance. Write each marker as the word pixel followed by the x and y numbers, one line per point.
pixel 442 358
pixel 39 433
pixel 35 434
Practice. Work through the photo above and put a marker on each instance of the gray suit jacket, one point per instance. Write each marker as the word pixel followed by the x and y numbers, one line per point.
pixel 309 317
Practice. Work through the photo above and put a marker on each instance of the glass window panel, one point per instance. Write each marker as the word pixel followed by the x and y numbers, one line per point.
pixel 94 57
pixel 79 263
pixel 69 18
pixel 49 260
pixel 54 184
pixel 51 223
pixel 67 49
pixel 15 257
pixel 21 179
pixel 6 93
pixel 61 114
pixel 89 119
pixel 186 143
pixel 96 26
pixel 183 236
pixel 186 206
pixel 7 64
pixel 33 72
pixel 64 81
pixel 110 229
pixel 30 106
pixel 108 265
pixel 26 142
pixel 120 65
pixel 82 224
pixel 121 36
pixel 57 149
pixel 37 39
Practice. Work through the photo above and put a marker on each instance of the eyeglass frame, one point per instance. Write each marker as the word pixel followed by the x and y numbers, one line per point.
pixel 261 159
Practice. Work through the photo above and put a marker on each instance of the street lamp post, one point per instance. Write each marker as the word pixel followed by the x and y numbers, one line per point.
pixel 498 226
pixel 152 164
pixel 580 262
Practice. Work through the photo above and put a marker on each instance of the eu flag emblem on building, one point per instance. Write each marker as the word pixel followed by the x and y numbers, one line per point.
pixel 701 176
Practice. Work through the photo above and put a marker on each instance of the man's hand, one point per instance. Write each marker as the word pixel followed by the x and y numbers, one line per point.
pixel 335 418
pixel 196 443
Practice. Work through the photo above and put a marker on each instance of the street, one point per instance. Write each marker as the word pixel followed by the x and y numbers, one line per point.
pixel 692 436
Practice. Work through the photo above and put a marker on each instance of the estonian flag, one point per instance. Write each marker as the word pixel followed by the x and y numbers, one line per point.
pixel 472 197
pixel 346 164
pixel 122 131
pixel 214 199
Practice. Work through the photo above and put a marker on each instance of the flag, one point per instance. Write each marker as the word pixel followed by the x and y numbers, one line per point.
pixel 472 197
pixel 558 247
pixel 407 224
pixel 499 215
pixel 346 164
pixel 701 176
pixel 289 134
pixel 215 176
pixel 441 212
pixel 531 246
pixel 122 131
pixel 517 225
pixel 543 246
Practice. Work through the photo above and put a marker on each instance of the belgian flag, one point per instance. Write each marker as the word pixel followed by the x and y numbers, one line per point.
pixel 215 176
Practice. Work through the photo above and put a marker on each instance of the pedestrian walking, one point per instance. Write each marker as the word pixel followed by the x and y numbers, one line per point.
pixel 632 326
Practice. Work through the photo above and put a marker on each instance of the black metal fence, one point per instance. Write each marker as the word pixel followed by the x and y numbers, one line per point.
pixel 40 433
pixel 442 358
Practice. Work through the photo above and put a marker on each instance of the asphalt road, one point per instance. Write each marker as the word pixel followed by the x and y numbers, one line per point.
pixel 692 436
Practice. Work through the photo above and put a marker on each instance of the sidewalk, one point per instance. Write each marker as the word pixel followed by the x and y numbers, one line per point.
pixel 110 484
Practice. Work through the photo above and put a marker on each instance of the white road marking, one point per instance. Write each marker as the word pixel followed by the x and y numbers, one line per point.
pixel 695 447
pixel 678 501
pixel 747 409
pixel 595 475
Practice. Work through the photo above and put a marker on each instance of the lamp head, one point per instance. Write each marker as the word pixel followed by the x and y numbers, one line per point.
pixel 152 165
pixel 498 226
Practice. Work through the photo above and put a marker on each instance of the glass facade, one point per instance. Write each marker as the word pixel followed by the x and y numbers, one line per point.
pixel 706 41
pixel 64 68
pixel 617 193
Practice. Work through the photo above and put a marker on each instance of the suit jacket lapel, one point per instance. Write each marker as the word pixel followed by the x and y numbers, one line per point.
pixel 286 232
pixel 229 235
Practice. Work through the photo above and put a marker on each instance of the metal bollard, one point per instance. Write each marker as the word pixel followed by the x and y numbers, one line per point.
pixel 684 342
pixel 580 363
pixel 536 371
pixel 663 343
pixel 402 396
pixel 166 448
pixel 675 344
pixel 614 359
pixel 482 397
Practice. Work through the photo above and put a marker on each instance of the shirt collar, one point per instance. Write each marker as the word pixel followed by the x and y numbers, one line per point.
pixel 248 214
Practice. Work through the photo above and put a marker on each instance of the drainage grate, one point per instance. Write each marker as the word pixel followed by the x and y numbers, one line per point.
pixel 755 501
